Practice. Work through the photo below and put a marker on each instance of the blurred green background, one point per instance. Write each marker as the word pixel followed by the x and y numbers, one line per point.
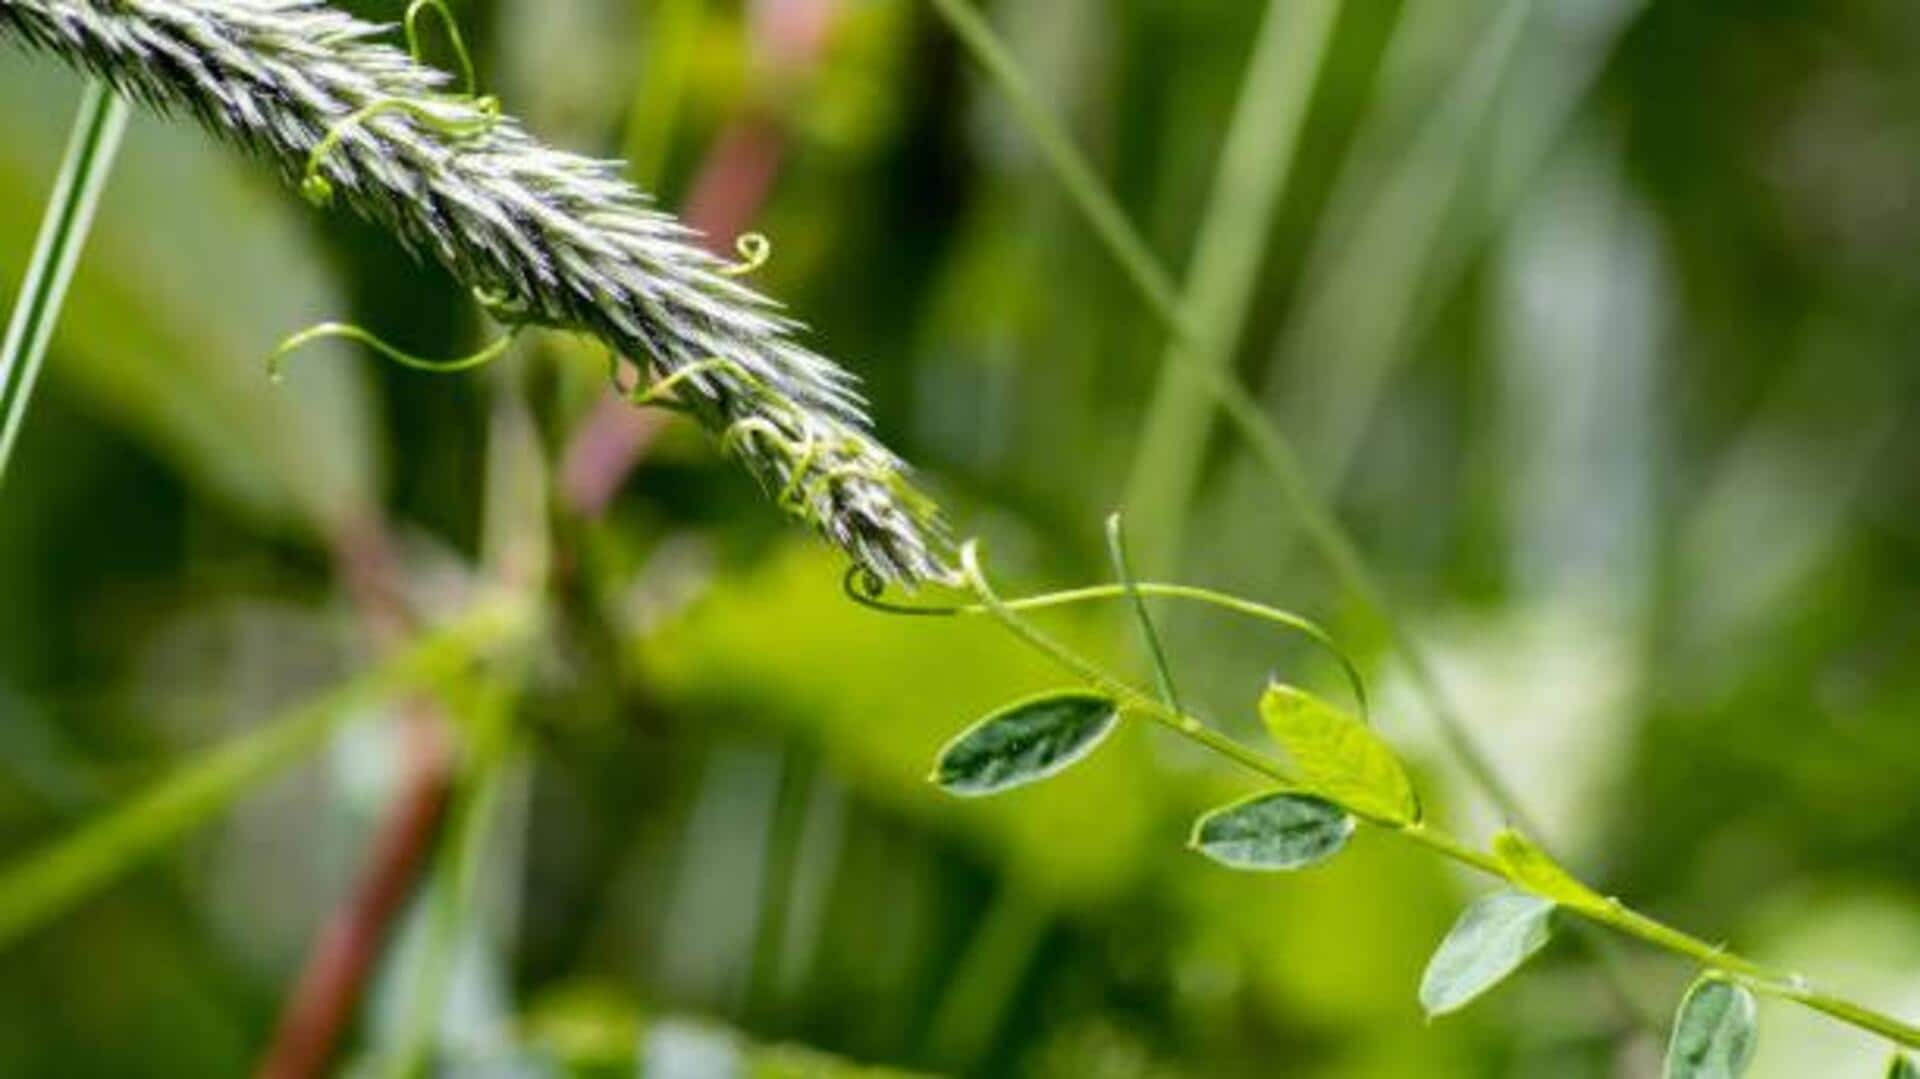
pixel 1595 318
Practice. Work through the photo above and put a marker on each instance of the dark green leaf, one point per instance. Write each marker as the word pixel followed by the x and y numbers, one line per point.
pixel 1902 1067
pixel 1714 1033
pixel 1491 940
pixel 1339 756
pixel 1273 832
pixel 1025 742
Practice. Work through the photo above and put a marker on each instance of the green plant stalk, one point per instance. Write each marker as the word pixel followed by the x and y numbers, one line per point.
pixel 1270 448
pixel 1255 163
pixel 45 884
pixel 671 33
pixel 63 231
pixel 1613 914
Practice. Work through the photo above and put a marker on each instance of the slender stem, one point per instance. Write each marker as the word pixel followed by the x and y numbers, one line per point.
pixel 47 883
pixel 1230 247
pixel 63 231
pixel 1270 448
pixel 1066 597
pixel 1613 914
pixel 1149 636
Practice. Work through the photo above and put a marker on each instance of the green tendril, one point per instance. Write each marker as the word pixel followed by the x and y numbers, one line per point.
pixel 275 362
pixel 319 190
pixel 755 249
pixel 869 591
pixel 1123 571
pixel 458 44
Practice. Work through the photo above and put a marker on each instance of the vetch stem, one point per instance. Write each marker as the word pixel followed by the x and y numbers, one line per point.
pixel 63 232
pixel 1613 914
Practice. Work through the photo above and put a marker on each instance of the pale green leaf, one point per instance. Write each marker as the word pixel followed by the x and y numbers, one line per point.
pixel 1714 1033
pixel 1025 742
pixel 1339 757
pixel 1491 940
pixel 1536 871
pixel 1273 831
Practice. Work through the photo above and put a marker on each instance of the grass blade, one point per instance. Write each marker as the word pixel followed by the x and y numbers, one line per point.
pixel 47 883
pixel 1254 166
pixel 63 231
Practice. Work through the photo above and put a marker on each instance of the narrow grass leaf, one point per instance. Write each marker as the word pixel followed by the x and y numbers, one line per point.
pixel 1274 831
pixel 1340 757
pixel 1491 940
pixel 1535 870
pixel 1025 742
pixel 1713 1036
pixel 63 231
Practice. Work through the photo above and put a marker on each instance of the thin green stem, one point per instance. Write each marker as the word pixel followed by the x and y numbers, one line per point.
pixel 45 884
pixel 670 33
pixel 1149 636
pixel 1222 600
pixel 63 231
pixel 1612 914
pixel 1255 162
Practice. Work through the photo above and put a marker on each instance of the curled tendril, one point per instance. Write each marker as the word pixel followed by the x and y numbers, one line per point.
pixel 276 361
pixel 866 588
pixel 458 44
pixel 319 190
pixel 754 248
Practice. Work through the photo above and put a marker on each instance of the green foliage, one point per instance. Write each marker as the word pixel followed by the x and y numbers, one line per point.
pixel 1535 870
pixel 1492 939
pixel 1901 1066
pixel 1339 757
pixel 1714 1032
pixel 1279 830
pixel 1025 742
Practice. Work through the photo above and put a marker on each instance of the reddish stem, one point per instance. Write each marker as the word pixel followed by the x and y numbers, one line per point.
pixel 343 955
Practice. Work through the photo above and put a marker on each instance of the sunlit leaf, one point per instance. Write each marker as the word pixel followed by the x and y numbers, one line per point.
pixel 1491 940
pixel 1025 742
pixel 1273 831
pixel 1714 1033
pixel 1340 757
pixel 1536 871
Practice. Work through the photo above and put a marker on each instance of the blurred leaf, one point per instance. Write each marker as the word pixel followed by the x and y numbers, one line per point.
pixel 781 641
pixel 1025 742
pixel 169 339
pixel 1339 756
pixel 1902 1067
pixel 1273 831
pixel 1491 940
pixel 1714 1033
pixel 1535 870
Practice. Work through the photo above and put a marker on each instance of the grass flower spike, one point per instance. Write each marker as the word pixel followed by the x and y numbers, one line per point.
pixel 550 238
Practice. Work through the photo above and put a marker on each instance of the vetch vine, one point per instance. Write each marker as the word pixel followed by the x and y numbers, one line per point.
pixel 1338 772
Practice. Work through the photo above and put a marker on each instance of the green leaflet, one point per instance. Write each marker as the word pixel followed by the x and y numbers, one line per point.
pixel 1274 831
pixel 1536 871
pixel 1902 1067
pixel 1491 940
pixel 1340 757
pixel 1714 1033
pixel 1025 742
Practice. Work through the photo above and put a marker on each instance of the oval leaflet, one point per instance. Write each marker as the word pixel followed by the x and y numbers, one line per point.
pixel 1491 940
pixel 1025 742
pixel 1275 831
pixel 1714 1033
